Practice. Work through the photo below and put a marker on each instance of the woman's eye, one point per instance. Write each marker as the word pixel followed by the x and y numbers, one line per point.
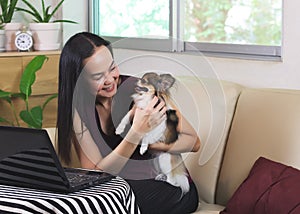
pixel 98 77
pixel 113 68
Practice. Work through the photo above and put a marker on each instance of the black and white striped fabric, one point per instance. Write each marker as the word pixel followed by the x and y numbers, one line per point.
pixel 112 197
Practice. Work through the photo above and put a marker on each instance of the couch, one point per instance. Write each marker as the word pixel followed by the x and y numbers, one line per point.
pixel 236 125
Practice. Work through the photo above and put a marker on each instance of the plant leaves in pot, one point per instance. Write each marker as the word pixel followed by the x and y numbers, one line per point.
pixel 8 8
pixel 45 30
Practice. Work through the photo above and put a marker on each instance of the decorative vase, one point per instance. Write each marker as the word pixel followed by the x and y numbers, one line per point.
pixel 10 35
pixel 2 40
pixel 46 36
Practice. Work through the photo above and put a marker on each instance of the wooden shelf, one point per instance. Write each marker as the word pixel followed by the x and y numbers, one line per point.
pixel 30 53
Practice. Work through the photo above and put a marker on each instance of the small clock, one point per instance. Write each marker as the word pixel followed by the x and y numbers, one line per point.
pixel 23 40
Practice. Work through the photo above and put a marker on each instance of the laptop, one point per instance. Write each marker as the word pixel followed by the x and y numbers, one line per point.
pixel 28 159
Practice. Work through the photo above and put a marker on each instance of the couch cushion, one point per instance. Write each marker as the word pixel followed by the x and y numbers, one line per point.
pixel 206 208
pixel 270 187
pixel 266 123
pixel 208 104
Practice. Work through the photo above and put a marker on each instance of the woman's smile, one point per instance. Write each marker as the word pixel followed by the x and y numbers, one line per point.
pixel 109 88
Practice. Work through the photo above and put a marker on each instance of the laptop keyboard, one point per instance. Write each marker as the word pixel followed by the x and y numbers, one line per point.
pixel 76 179
pixel 79 177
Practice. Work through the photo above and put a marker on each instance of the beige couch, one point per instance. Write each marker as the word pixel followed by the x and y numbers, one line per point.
pixel 236 125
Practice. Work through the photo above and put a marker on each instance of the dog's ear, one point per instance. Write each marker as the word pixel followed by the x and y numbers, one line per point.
pixel 150 76
pixel 165 82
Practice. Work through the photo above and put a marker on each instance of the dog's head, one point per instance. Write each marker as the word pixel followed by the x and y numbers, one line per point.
pixel 153 84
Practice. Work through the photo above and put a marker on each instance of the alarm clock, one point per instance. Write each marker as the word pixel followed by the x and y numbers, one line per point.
pixel 23 40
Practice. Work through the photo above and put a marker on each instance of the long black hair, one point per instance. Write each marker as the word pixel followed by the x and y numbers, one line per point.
pixel 79 47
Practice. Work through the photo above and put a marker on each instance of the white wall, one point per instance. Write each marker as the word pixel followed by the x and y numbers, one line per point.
pixel 75 10
pixel 285 74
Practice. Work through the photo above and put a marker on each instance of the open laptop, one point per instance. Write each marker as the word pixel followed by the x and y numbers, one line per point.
pixel 28 159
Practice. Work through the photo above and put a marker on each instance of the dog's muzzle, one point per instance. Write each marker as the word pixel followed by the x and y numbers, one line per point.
pixel 141 89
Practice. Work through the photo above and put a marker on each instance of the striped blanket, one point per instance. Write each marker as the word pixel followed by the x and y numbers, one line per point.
pixel 114 196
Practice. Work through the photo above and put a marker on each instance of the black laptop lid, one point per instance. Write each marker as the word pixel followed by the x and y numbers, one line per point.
pixel 27 158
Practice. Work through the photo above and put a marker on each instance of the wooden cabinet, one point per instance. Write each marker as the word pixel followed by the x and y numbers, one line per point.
pixel 12 64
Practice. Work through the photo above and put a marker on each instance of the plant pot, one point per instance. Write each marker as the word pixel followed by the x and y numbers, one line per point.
pixel 46 36
pixel 2 40
pixel 10 35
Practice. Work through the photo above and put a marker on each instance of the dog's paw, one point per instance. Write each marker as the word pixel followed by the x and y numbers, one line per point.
pixel 119 129
pixel 161 177
pixel 143 149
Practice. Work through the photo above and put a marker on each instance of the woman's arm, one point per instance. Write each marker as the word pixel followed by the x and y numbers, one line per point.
pixel 188 140
pixel 89 154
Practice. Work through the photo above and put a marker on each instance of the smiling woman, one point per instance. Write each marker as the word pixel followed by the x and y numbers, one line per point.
pixel 97 72
pixel 93 96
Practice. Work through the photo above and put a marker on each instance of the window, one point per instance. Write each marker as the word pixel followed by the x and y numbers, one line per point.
pixel 232 27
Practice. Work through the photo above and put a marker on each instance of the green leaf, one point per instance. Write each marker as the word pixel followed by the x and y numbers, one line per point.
pixel 3 120
pixel 8 9
pixel 28 76
pixel 56 8
pixel 18 95
pixel 11 9
pixel 48 100
pixel 67 21
pixel 25 10
pixel 34 11
pixel 37 114
pixel 44 16
pixel 33 118
pixel 5 96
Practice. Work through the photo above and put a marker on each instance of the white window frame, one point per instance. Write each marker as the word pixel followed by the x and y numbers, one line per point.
pixel 175 41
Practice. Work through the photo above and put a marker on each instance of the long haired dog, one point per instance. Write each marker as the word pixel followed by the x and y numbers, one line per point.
pixel 170 165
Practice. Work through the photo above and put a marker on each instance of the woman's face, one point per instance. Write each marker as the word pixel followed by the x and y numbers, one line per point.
pixel 102 73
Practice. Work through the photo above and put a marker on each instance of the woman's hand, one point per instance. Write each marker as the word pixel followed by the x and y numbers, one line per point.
pixel 147 119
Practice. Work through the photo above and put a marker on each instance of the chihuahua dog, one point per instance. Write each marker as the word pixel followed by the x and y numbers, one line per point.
pixel 170 165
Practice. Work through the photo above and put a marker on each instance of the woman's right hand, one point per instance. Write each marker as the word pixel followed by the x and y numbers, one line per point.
pixel 145 120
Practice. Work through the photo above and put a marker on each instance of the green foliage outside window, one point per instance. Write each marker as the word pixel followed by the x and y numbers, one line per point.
pixel 254 22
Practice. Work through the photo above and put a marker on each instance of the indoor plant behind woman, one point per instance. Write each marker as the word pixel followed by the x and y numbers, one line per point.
pixel 45 29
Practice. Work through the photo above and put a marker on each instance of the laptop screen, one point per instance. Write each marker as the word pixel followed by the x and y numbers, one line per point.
pixel 27 158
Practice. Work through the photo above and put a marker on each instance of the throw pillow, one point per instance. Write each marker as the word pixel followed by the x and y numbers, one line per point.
pixel 270 187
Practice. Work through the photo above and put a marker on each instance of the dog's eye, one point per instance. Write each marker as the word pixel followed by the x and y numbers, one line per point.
pixel 143 81
pixel 141 89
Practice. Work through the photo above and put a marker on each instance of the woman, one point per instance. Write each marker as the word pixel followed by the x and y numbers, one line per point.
pixel 93 97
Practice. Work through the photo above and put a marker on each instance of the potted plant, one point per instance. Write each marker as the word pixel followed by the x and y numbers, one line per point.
pixel 45 30
pixel 32 116
pixel 2 36
pixel 8 8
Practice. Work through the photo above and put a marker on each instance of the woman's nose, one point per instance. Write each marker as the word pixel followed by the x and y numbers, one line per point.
pixel 109 78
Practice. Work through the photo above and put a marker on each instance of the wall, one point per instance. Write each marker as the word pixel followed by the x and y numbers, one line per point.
pixel 75 10
pixel 251 73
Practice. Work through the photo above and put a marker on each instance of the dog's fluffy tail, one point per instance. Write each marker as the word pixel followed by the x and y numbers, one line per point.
pixel 183 182
pixel 172 166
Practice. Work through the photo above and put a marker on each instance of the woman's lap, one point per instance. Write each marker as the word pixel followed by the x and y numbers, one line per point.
pixel 160 197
